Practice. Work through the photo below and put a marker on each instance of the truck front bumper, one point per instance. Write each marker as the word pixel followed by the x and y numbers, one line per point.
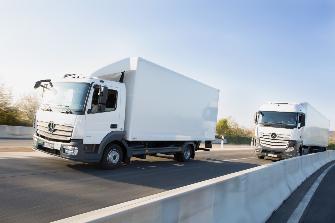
pixel 276 154
pixel 73 150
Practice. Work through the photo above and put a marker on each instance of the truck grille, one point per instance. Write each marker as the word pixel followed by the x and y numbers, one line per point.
pixel 60 133
pixel 281 141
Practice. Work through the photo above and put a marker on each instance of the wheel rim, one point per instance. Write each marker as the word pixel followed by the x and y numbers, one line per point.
pixel 113 156
pixel 187 153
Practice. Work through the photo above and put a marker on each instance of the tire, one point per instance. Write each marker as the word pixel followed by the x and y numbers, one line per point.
pixel 186 155
pixel 112 157
pixel 260 157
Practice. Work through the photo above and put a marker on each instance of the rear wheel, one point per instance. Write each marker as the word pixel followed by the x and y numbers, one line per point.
pixel 185 155
pixel 112 157
pixel 260 157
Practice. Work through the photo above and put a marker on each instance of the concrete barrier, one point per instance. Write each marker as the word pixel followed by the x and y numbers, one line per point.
pixel 16 132
pixel 247 196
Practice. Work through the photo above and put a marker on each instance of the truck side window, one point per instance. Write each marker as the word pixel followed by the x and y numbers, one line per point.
pixel 302 120
pixel 111 100
pixel 95 101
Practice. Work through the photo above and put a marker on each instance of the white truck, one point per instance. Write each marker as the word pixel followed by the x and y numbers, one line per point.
pixel 129 108
pixel 285 130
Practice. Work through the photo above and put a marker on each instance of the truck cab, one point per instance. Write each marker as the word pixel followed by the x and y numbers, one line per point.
pixel 279 130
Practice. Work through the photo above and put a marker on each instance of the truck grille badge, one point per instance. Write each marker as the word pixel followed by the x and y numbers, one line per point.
pixel 51 127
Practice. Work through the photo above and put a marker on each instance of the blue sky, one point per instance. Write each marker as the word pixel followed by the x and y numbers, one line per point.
pixel 254 51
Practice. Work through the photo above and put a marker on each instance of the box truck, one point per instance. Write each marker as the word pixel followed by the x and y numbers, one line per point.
pixel 285 130
pixel 132 107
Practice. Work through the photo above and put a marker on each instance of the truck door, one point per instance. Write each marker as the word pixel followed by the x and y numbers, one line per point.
pixel 102 114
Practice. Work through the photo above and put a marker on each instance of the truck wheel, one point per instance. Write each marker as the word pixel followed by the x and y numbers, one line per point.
pixel 185 155
pixel 112 157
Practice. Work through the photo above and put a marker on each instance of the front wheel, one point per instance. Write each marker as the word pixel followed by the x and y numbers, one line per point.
pixel 185 155
pixel 112 157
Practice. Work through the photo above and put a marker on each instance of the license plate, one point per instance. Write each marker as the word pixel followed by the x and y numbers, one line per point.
pixel 48 145
pixel 57 145
pixel 272 155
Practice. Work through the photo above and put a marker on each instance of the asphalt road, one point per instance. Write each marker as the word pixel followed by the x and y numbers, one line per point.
pixel 35 187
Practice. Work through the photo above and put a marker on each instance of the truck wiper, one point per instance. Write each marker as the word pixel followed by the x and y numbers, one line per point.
pixel 284 124
pixel 65 109
pixel 46 107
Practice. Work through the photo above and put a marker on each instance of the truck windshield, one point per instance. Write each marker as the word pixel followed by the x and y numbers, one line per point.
pixel 278 119
pixel 65 97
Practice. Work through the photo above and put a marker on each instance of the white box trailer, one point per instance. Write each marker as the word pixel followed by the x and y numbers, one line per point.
pixel 316 130
pixel 129 108
pixel 285 130
pixel 163 105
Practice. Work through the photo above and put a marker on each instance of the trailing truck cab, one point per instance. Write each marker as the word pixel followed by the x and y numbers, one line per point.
pixel 279 130
pixel 285 130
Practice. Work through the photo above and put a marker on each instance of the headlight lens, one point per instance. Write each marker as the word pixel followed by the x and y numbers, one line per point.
pixel 289 149
pixel 70 150
pixel 292 143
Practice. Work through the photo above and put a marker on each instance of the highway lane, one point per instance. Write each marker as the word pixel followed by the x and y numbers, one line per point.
pixel 35 187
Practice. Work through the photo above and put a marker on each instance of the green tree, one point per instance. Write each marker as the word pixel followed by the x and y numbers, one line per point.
pixel 222 127
pixel 20 113
pixel 27 106
pixel 233 132
pixel 9 115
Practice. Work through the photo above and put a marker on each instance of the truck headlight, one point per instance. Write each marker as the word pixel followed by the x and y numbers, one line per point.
pixel 291 146
pixel 292 143
pixel 290 149
pixel 70 150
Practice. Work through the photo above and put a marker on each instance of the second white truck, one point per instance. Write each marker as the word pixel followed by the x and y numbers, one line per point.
pixel 285 130
pixel 130 108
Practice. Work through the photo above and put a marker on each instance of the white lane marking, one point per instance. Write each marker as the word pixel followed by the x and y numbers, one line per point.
pixel 245 158
pixel 299 211
pixel 228 160
pixel 227 150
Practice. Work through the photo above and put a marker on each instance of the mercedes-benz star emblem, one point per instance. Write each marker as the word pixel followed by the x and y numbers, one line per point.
pixel 51 127
pixel 273 135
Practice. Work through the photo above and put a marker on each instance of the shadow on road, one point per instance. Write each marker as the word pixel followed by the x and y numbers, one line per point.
pixel 164 173
pixel 30 185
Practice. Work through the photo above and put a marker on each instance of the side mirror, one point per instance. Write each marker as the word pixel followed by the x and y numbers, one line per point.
pixel 37 84
pixel 256 117
pixel 301 120
pixel 103 98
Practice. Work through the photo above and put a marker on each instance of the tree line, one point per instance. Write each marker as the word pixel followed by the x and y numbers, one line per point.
pixel 18 113
pixel 232 132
